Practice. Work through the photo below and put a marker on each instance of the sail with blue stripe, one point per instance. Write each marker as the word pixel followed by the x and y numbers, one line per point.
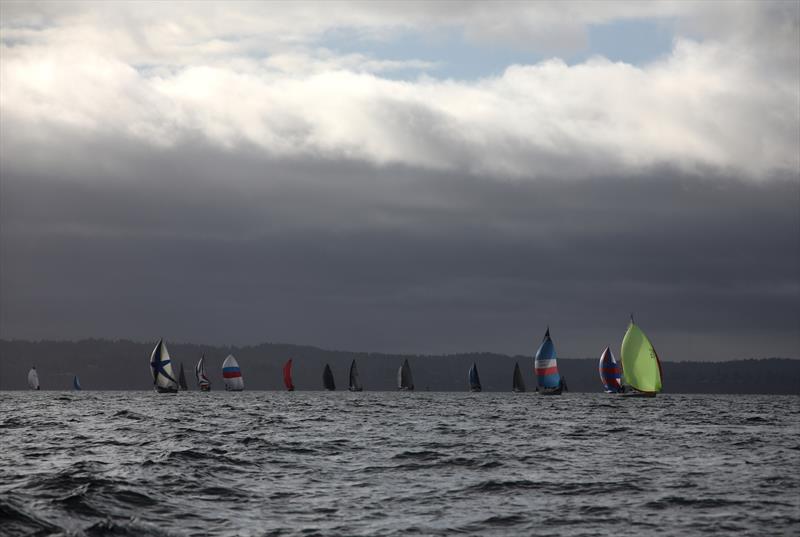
pixel 232 374
pixel 161 368
pixel 610 372
pixel 545 364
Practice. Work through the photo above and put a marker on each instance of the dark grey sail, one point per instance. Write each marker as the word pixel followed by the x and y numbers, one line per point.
pixel 518 384
pixel 327 379
pixel 182 380
pixel 405 381
pixel 355 380
pixel 474 379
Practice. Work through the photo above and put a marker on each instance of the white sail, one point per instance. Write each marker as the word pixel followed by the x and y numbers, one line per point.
pixel 200 373
pixel 232 374
pixel 33 379
pixel 161 368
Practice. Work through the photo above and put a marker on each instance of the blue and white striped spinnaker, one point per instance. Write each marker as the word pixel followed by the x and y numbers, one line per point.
pixel 545 364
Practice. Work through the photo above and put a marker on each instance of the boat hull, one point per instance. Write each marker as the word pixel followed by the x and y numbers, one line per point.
pixel 634 393
pixel 550 391
pixel 356 389
pixel 474 389
pixel 159 389
pixel 205 388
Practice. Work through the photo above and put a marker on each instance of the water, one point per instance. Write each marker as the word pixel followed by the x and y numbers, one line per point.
pixel 273 463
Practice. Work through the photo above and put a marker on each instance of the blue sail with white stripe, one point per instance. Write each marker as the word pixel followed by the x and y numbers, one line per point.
pixel 545 364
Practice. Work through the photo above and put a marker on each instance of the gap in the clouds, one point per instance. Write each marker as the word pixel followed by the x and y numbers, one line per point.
pixel 633 41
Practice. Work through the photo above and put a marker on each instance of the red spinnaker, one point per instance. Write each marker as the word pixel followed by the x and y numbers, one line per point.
pixel 287 375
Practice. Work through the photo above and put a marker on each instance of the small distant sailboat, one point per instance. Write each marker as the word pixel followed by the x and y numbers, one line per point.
pixel 610 372
pixel 327 379
pixel 287 376
pixel 547 375
pixel 640 364
pixel 232 374
pixel 76 384
pixel 355 380
pixel 161 368
pixel 405 381
pixel 518 385
pixel 474 379
pixel 202 377
pixel 182 379
pixel 33 379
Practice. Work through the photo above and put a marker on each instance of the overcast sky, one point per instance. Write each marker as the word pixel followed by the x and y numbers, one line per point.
pixel 404 177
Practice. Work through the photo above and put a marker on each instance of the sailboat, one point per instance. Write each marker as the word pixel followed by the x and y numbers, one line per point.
pixel 610 372
pixel 405 381
pixel 161 368
pixel 327 379
pixel 202 378
pixel 76 384
pixel 355 380
pixel 232 374
pixel 182 379
pixel 287 376
pixel 474 379
pixel 547 375
pixel 518 385
pixel 33 379
pixel 640 364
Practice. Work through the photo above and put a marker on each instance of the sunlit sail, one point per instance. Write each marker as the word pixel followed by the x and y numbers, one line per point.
pixel 641 368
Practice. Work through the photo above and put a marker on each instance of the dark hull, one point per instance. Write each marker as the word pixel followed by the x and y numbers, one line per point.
pixel 159 389
pixel 205 388
pixel 356 389
pixel 474 389
pixel 411 389
pixel 634 393
pixel 550 391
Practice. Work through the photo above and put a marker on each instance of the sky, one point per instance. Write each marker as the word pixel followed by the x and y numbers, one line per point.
pixel 412 177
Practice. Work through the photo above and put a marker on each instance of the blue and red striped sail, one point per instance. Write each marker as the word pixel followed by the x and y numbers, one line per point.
pixel 545 364
pixel 610 372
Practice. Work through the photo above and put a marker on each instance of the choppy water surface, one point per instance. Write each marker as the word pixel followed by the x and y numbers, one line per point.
pixel 270 463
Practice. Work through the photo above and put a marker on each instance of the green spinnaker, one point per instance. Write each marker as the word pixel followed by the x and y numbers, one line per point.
pixel 640 367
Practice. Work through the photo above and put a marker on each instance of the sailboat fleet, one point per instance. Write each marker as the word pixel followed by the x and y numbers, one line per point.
pixel 637 374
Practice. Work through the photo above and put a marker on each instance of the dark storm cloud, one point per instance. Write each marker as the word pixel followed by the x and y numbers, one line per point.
pixel 206 245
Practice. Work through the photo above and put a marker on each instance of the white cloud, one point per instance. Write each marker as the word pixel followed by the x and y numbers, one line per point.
pixel 254 77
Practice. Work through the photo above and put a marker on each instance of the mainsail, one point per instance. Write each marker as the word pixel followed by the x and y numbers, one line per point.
pixel 640 364
pixel 546 367
pixel 33 379
pixel 182 379
pixel 287 375
pixel 161 368
pixel 610 372
pixel 327 378
pixel 518 385
pixel 232 374
pixel 405 381
pixel 202 378
pixel 355 380
pixel 76 384
pixel 474 379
